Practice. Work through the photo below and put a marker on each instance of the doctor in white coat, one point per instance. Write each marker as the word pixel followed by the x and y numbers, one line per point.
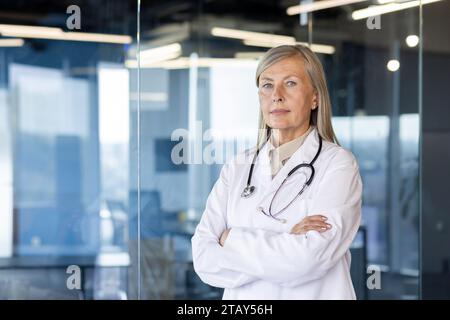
pixel 272 229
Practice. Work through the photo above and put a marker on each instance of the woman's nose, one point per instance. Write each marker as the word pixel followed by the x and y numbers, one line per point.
pixel 277 95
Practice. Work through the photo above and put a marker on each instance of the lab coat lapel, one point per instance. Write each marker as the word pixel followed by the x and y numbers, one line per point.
pixel 303 155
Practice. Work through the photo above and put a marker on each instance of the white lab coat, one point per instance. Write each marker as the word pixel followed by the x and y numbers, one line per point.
pixel 260 258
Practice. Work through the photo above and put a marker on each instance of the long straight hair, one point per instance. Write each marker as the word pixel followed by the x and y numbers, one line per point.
pixel 320 116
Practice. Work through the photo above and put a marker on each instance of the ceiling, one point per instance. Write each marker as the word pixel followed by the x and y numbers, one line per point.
pixel 191 22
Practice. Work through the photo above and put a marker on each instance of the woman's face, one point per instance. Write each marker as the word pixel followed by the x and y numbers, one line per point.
pixel 286 95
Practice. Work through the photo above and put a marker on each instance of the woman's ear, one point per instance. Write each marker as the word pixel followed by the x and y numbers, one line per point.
pixel 315 102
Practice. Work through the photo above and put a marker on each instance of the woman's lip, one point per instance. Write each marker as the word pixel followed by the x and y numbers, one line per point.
pixel 279 111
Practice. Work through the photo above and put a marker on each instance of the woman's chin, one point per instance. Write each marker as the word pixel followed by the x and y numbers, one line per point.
pixel 279 126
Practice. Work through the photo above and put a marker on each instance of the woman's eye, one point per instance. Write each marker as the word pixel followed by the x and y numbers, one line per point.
pixel 267 85
pixel 291 83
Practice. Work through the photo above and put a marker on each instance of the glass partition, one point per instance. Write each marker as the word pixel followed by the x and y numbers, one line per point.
pixel 435 139
pixel 65 149
pixel 374 80
pixel 116 119
pixel 199 107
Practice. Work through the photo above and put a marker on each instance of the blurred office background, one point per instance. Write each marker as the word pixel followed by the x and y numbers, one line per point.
pixel 88 133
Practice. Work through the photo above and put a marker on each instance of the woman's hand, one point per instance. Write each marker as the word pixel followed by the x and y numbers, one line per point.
pixel 223 237
pixel 309 223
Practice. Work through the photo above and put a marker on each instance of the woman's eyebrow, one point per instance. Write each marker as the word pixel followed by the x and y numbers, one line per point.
pixel 288 76
pixel 292 75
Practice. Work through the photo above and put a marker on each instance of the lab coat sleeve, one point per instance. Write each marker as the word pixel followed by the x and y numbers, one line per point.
pixel 206 250
pixel 291 260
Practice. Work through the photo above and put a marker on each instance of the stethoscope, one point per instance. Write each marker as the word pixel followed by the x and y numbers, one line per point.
pixel 249 190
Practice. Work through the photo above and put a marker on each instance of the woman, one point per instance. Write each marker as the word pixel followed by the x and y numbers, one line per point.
pixel 278 236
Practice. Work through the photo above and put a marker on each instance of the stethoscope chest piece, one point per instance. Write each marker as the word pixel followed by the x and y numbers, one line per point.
pixel 248 191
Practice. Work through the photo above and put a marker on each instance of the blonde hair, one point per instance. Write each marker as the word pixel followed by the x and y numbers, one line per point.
pixel 320 116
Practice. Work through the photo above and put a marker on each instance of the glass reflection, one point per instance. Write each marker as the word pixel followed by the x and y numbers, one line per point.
pixel 64 110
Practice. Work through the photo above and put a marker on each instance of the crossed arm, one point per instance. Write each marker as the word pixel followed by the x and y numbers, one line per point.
pixel 316 222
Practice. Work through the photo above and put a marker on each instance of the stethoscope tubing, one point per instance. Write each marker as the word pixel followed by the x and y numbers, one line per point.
pixel 249 189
